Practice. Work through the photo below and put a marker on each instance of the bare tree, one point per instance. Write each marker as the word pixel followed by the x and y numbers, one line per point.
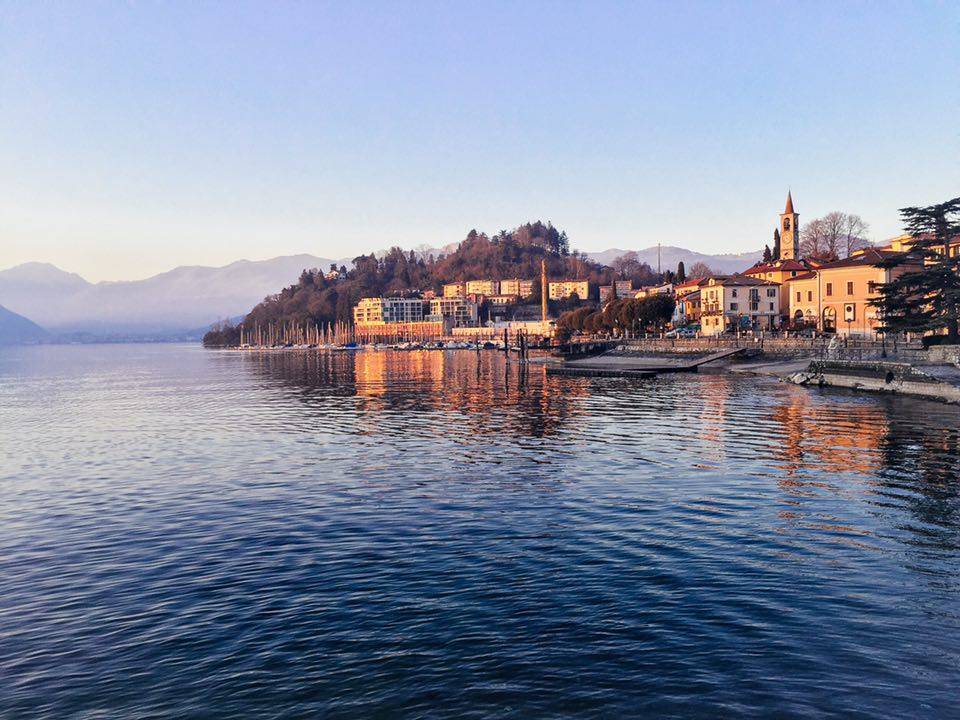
pixel 836 235
pixel 627 264
pixel 854 234
pixel 701 270
pixel 813 239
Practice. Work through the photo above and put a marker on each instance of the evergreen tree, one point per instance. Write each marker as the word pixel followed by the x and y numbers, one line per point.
pixel 767 255
pixel 681 272
pixel 776 244
pixel 928 299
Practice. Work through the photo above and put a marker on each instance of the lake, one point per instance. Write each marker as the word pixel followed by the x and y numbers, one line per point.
pixel 191 533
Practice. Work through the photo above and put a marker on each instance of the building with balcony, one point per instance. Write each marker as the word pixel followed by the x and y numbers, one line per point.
pixel 381 311
pixel 563 289
pixel 518 287
pixel 836 296
pixel 455 290
pixel 624 290
pixel 457 312
pixel 731 302
pixel 483 287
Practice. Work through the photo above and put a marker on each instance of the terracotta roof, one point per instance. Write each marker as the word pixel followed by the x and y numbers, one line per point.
pixel 693 282
pixel 777 266
pixel 739 279
pixel 802 276
pixel 870 256
pixel 789 209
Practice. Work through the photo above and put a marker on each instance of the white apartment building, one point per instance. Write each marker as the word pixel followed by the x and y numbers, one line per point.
pixel 483 287
pixel 731 301
pixel 376 311
pixel 518 287
pixel 459 311
pixel 563 289
pixel 624 290
pixel 455 290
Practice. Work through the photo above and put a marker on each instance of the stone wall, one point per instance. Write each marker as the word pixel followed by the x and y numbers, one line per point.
pixel 875 376
pixel 778 348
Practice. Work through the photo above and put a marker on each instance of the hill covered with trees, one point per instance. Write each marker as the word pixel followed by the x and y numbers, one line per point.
pixel 317 299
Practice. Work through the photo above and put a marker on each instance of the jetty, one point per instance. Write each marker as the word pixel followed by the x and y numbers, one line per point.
pixel 614 365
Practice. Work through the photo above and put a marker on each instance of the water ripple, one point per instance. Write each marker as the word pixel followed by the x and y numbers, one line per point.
pixel 186 533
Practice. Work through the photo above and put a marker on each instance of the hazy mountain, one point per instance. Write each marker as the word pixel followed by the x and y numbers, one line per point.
pixel 182 299
pixel 16 329
pixel 670 256
pixel 175 304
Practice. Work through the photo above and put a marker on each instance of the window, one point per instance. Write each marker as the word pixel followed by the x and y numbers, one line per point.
pixel 809 295
pixel 771 292
pixel 771 306
pixel 829 289
pixel 871 287
pixel 798 296
pixel 733 292
pixel 849 288
pixel 733 306
pixel 754 307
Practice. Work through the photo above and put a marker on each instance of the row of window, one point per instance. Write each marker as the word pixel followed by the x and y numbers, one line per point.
pixel 871 288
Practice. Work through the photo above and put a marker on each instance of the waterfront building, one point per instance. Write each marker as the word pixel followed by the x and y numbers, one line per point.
pixel 563 289
pixel 729 302
pixel 455 290
pixel 457 311
pixel 687 310
pixel 495 330
pixel 780 272
pixel 483 287
pixel 516 286
pixel 688 286
pixel 624 290
pixel 835 297
pixel 378 311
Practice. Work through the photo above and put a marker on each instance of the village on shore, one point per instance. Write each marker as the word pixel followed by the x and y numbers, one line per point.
pixel 787 294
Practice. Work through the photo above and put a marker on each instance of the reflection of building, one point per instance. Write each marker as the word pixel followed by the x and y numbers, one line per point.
pixel 372 311
pixel 728 302
pixel 458 311
pixel 624 290
pixel 563 289
pixel 836 296
pixel 483 287
pixel 520 288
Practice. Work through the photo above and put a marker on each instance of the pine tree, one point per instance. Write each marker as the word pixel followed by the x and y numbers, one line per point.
pixel 681 272
pixel 928 299
pixel 767 255
pixel 776 244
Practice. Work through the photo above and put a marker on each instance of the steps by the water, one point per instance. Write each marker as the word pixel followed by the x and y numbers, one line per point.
pixel 613 365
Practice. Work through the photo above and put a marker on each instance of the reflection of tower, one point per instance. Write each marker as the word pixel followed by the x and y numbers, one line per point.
pixel 789 232
pixel 543 290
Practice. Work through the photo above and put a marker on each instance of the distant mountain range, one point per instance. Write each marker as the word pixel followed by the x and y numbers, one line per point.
pixel 671 256
pixel 181 303
pixel 17 330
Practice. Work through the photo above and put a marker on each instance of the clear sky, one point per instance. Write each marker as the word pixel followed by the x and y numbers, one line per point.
pixel 137 136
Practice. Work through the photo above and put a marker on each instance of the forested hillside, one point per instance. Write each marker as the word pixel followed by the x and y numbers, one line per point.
pixel 508 254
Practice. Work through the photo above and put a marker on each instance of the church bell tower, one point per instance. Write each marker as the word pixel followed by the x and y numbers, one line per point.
pixel 789 232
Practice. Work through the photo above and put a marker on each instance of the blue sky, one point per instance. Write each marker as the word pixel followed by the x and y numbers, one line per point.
pixel 138 136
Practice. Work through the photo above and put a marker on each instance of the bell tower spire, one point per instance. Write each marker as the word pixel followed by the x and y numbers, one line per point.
pixel 789 231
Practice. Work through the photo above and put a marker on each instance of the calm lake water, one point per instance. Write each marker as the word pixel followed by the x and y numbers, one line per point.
pixel 190 533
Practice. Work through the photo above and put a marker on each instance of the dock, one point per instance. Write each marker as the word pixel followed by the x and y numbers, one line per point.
pixel 626 366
